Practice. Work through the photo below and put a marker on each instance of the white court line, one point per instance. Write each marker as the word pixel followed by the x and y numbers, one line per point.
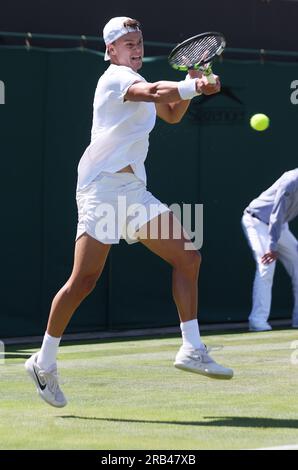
pixel 287 447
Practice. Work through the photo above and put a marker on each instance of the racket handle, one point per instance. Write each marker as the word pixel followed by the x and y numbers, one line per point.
pixel 207 71
pixel 211 78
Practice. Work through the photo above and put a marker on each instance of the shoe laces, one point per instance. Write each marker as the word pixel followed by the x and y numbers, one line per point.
pixel 203 353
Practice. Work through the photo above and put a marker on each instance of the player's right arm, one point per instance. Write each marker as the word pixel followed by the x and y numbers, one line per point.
pixel 165 94
pixel 165 91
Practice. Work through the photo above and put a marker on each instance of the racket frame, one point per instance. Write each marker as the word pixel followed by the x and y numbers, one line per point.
pixel 198 65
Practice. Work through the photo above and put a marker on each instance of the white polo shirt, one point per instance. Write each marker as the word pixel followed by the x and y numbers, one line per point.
pixel 120 129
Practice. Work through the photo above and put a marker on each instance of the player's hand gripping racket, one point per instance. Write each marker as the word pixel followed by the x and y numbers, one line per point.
pixel 197 53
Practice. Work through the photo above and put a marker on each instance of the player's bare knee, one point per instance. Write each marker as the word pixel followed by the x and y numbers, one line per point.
pixel 83 285
pixel 88 283
pixel 189 264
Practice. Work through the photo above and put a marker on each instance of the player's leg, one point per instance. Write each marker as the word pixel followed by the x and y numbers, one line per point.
pixel 193 355
pixel 89 261
pixel 288 255
pixel 258 238
pixel 185 263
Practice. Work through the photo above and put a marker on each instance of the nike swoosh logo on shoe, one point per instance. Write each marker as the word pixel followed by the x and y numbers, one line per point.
pixel 42 387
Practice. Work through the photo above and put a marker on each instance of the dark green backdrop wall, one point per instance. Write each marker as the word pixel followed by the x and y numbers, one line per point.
pixel 212 157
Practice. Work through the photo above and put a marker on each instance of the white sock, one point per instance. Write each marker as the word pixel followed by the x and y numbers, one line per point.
pixel 191 335
pixel 48 353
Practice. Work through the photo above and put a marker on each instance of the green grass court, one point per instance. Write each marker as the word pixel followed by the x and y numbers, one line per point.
pixel 127 395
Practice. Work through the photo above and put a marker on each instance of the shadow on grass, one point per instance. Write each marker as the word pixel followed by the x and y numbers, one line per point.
pixel 222 421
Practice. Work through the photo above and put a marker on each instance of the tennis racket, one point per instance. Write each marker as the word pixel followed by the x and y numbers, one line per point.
pixel 197 53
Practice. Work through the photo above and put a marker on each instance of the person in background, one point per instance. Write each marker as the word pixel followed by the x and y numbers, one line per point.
pixel 265 224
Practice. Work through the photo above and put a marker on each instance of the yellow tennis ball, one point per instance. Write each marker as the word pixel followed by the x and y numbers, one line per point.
pixel 259 122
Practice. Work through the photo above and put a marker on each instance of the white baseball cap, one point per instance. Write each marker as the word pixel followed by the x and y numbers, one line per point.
pixel 114 29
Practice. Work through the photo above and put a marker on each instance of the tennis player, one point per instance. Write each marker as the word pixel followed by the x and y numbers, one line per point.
pixel 125 108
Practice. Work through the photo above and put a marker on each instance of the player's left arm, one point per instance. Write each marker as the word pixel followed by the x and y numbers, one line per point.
pixel 174 112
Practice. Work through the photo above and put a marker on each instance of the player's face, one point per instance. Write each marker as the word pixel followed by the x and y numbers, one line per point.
pixel 128 50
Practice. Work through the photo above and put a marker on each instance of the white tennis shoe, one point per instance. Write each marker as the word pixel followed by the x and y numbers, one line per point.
pixel 199 362
pixel 46 382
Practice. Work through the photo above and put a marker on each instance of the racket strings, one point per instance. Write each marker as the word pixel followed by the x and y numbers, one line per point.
pixel 197 51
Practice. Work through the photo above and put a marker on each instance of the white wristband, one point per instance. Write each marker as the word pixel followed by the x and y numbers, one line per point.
pixel 187 89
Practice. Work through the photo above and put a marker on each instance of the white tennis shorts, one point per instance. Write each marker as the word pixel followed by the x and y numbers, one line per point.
pixel 115 206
